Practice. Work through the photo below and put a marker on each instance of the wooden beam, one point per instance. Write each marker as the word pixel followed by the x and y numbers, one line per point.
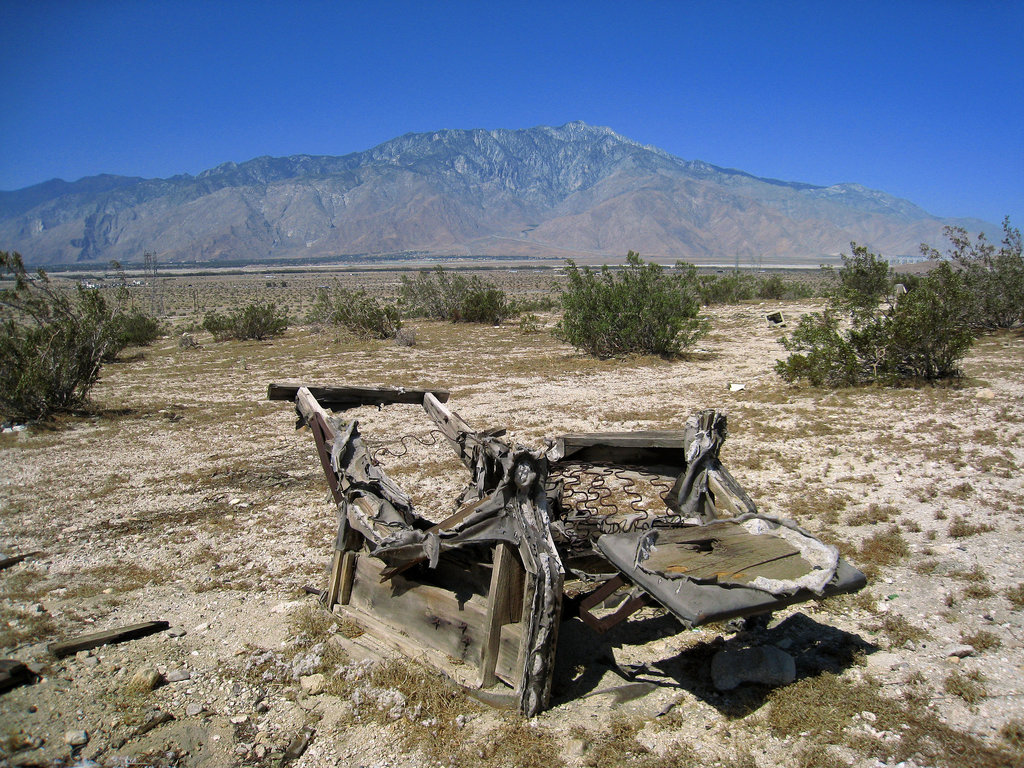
pixel 348 572
pixel 506 575
pixel 340 398
pixel 7 562
pixel 452 425
pixel 643 448
pixel 334 580
pixel 110 636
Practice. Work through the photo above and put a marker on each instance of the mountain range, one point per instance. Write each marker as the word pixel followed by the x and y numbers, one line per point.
pixel 575 190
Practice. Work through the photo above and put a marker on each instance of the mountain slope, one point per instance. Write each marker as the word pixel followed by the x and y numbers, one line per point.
pixel 576 189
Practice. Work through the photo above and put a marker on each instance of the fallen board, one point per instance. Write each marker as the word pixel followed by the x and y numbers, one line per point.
pixel 340 398
pixel 96 639
pixel 14 673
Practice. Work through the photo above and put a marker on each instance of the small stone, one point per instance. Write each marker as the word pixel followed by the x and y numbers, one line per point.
pixel 962 651
pixel 239 719
pixel 194 709
pixel 177 675
pixel 76 738
pixel 145 679
pixel 262 707
pixel 176 632
pixel 83 655
pixel 90 661
pixel 313 684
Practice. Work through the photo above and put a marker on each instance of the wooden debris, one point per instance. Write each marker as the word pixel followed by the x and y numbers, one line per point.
pixel 341 398
pixel 479 596
pixel 108 637
pixel 14 673
pixel 7 562
pixel 158 719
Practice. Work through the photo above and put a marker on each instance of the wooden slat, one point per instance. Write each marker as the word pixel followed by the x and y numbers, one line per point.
pixel 451 424
pixel 110 636
pixel 334 579
pixel 505 576
pixel 348 570
pixel 339 398
pixel 7 562
pixel 644 448
pixel 432 617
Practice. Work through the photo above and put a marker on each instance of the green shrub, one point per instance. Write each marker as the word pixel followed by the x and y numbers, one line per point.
pixel 922 336
pixel 994 278
pixel 443 295
pixel 822 354
pixel 257 321
pixel 52 343
pixel 865 281
pixel 357 311
pixel 637 310
pixel 736 287
pixel 731 288
pixel 137 329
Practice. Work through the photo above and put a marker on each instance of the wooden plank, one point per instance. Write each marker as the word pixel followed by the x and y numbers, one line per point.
pixel 340 398
pixel 108 637
pixel 505 668
pixel 451 424
pixel 643 448
pixel 14 673
pixel 505 575
pixel 348 569
pixel 639 439
pixel 334 579
pixel 7 562
pixel 431 616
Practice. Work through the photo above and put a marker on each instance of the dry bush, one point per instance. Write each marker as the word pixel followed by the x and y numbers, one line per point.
pixel 824 707
pixel 875 513
pixel 886 547
pixel 960 528
pixel 982 640
pixel 1015 595
pixel 899 630
pixel 970 686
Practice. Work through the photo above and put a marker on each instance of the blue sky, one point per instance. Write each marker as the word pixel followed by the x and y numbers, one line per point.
pixel 924 100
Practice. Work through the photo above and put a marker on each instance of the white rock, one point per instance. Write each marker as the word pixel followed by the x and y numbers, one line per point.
pixel 313 684
pixel 764 664
pixel 76 738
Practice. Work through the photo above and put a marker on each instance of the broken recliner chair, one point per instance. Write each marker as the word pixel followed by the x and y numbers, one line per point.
pixel 647 517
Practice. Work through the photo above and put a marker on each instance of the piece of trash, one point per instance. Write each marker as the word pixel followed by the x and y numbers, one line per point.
pixel 620 519
pixel 736 387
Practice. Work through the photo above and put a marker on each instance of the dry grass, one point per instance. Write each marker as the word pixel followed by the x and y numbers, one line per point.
pixel 969 686
pixel 824 708
pixel 899 630
pixel 960 528
pixel 887 547
pixel 1015 595
pixel 982 640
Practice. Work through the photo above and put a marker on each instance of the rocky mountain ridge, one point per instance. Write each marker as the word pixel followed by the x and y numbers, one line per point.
pixel 571 190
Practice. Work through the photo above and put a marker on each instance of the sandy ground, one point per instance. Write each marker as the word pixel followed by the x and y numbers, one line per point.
pixel 188 497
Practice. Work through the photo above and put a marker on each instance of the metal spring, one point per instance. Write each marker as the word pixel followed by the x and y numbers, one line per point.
pixel 590 508
pixel 385 449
